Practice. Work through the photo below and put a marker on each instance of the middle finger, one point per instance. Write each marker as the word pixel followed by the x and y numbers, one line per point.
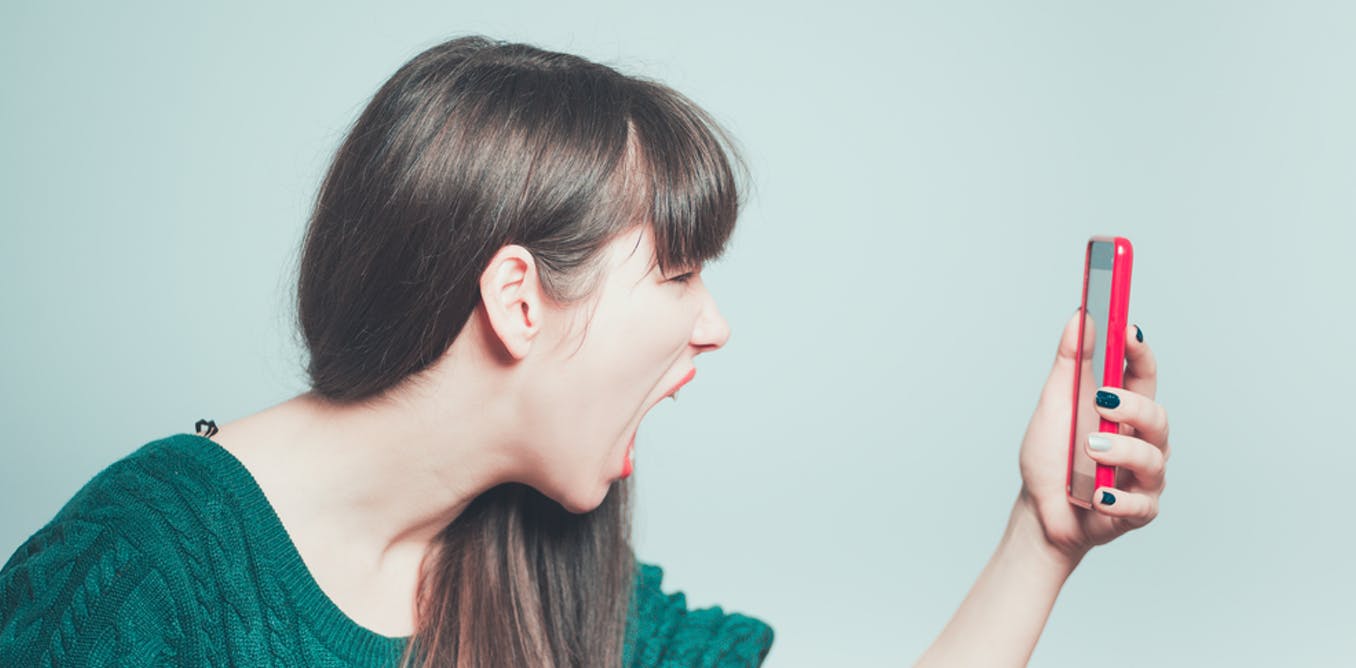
pixel 1146 416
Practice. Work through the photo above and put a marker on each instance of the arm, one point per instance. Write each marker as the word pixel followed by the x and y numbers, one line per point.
pixel 76 595
pixel 1001 618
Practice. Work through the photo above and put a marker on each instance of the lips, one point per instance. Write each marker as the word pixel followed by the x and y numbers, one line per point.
pixel 629 464
pixel 686 379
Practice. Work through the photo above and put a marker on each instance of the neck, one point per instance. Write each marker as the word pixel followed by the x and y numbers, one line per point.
pixel 363 489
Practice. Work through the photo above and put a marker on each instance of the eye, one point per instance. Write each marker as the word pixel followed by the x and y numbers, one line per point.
pixel 683 278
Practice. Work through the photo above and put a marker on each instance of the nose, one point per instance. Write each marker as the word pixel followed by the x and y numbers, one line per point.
pixel 711 330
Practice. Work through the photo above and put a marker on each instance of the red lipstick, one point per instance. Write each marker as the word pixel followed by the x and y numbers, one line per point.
pixel 626 465
pixel 686 379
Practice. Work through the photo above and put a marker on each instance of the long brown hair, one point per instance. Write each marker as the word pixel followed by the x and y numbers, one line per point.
pixel 472 145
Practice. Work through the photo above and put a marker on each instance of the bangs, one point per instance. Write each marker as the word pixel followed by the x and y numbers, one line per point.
pixel 684 165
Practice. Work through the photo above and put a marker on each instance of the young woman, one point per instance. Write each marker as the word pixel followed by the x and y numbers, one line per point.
pixel 502 275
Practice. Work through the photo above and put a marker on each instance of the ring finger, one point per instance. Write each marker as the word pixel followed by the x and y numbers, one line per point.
pixel 1142 459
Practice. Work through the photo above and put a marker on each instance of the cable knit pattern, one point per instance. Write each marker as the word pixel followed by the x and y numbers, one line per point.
pixel 665 633
pixel 173 556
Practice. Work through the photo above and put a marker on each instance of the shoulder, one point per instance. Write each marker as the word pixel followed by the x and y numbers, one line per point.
pixel 157 475
pixel 136 504
pixel 664 632
pixel 95 585
pixel 79 593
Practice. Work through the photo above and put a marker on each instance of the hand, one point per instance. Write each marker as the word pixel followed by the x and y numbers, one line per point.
pixel 1140 451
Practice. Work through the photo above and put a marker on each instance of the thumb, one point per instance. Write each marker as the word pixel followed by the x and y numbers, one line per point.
pixel 1067 355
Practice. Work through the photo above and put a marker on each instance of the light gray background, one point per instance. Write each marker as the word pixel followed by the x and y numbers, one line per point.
pixel 926 175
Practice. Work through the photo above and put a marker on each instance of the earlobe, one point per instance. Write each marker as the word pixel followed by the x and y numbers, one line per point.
pixel 511 293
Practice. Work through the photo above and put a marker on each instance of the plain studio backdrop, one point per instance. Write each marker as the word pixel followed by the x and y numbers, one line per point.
pixel 925 177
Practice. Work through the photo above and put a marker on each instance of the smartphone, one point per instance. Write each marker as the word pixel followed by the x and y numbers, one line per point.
pixel 1105 310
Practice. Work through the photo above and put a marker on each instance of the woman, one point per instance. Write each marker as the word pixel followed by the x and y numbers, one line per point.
pixel 502 275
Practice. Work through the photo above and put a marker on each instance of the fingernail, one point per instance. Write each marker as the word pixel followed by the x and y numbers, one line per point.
pixel 1099 443
pixel 1107 399
pixel 1139 334
pixel 1108 498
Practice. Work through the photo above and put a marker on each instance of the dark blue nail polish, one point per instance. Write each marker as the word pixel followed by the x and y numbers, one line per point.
pixel 1139 334
pixel 1107 399
pixel 1108 498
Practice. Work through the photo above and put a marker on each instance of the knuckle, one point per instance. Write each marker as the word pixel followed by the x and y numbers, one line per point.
pixel 1147 414
pixel 1155 466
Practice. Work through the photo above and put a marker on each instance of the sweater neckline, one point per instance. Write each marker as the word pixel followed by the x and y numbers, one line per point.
pixel 276 551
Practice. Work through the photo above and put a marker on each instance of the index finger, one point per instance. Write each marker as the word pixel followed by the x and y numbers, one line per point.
pixel 1141 367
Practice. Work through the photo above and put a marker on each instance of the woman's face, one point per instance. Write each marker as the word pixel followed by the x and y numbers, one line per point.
pixel 615 357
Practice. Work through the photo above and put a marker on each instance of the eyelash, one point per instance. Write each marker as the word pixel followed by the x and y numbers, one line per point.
pixel 683 278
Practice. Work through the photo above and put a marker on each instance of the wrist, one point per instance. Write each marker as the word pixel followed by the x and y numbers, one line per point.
pixel 1026 534
pixel 1002 616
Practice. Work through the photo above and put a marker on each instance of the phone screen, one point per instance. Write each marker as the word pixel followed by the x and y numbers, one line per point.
pixel 1096 313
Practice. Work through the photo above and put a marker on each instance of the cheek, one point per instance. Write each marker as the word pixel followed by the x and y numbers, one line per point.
pixel 627 360
pixel 648 334
pixel 628 349
pixel 660 333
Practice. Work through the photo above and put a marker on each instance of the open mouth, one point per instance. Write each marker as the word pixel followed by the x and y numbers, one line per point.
pixel 629 463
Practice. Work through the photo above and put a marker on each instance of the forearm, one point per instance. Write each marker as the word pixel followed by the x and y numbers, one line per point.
pixel 1002 617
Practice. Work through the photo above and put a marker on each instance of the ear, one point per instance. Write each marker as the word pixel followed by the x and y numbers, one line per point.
pixel 511 293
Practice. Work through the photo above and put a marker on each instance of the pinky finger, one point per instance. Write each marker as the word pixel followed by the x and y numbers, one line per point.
pixel 1138 509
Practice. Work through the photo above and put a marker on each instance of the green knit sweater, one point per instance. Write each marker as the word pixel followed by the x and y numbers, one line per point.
pixel 174 557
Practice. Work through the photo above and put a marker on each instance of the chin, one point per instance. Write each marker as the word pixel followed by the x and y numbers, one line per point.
pixel 579 504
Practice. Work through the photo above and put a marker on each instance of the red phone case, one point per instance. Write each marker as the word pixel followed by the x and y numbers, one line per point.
pixel 1113 371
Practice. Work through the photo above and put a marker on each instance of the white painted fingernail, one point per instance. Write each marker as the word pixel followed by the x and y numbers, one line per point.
pixel 1099 443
